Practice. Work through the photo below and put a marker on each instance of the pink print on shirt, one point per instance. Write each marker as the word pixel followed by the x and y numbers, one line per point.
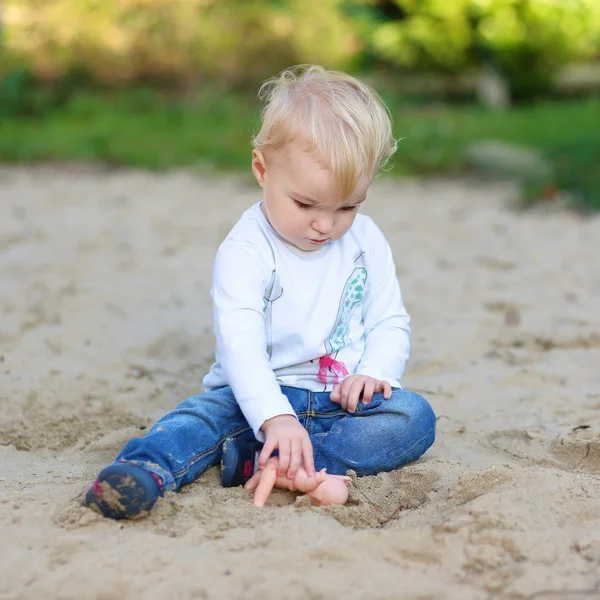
pixel 352 296
pixel 337 367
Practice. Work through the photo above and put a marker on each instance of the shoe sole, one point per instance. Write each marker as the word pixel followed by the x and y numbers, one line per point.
pixel 123 491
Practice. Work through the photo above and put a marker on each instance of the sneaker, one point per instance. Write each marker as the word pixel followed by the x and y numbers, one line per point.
pixel 239 462
pixel 123 491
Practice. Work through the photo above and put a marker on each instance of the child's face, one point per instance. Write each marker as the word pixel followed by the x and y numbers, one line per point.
pixel 301 201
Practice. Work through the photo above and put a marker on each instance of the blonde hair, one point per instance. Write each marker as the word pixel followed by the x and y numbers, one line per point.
pixel 342 120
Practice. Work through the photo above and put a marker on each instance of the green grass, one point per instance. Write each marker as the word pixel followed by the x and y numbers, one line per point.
pixel 144 129
pixel 135 128
pixel 436 138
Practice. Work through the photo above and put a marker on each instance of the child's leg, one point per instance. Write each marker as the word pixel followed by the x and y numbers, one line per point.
pixel 179 448
pixel 189 440
pixel 381 436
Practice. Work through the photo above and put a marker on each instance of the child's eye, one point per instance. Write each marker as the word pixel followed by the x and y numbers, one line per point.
pixel 302 205
pixel 348 208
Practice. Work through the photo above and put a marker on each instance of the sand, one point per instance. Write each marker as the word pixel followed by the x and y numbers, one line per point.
pixel 105 325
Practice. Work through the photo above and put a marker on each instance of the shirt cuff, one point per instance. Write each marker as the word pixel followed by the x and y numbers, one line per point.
pixel 262 410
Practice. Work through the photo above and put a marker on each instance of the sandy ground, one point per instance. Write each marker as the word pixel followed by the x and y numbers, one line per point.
pixel 105 324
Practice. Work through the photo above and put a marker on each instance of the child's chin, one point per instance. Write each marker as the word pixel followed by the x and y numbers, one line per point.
pixel 308 246
pixel 301 245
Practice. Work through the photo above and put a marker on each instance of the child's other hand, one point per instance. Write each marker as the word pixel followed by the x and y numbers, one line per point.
pixel 348 392
pixel 284 433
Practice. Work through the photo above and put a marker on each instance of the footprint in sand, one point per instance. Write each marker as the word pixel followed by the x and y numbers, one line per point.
pixel 579 451
pixel 576 452
pixel 473 485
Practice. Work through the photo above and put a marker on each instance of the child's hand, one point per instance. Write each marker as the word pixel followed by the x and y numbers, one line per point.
pixel 284 433
pixel 348 392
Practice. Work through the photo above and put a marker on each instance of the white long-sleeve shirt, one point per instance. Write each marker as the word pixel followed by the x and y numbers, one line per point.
pixel 286 317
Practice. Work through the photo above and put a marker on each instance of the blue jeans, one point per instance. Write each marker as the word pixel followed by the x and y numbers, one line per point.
pixel 379 436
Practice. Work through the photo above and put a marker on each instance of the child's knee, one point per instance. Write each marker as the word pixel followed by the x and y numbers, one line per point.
pixel 420 410
pixel 420 415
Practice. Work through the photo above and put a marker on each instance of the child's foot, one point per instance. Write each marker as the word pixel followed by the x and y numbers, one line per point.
pixel 238 462
pixel 123 491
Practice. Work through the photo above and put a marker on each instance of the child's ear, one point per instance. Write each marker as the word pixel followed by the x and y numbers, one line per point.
pixel 259 166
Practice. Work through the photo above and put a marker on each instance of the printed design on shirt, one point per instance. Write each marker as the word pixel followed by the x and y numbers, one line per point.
pixel 352 296
pixel 273 292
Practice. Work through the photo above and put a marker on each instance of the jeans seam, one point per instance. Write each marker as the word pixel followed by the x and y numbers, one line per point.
pixel 310 399
pixel 337 413
pixel 413 446
pixel 198 457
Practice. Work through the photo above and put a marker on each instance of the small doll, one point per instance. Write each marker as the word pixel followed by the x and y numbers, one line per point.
pixel 321 488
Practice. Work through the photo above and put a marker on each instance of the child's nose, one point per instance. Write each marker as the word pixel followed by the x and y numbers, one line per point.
pixel 323 224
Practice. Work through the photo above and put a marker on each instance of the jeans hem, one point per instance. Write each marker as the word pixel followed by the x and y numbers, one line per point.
pixel 166 477
pixel 198 457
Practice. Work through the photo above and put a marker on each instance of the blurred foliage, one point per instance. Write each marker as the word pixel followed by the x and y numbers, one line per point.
pixel 116 42
pixel 576 171
pixel 526 40
pixel 21 94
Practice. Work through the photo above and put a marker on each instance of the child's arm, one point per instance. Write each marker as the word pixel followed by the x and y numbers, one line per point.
pixel 240 277
pixel 241 273
pixel 386 321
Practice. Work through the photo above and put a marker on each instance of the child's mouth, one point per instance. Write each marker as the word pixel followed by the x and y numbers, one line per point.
pixel 318 241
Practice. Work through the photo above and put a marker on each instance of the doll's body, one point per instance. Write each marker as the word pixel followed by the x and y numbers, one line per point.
pixel 322 489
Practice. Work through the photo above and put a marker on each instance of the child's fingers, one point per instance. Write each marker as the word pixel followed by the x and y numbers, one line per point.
pixel 284 457
pixel 345 388
pixel 344 396
pixel 295 458
pixel 308 457
pixel 387 390
pixel 335 395
pixel 356 389
pixel 371 386
pixel 266 452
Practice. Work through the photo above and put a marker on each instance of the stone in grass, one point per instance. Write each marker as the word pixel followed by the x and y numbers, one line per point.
pixel 501 160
